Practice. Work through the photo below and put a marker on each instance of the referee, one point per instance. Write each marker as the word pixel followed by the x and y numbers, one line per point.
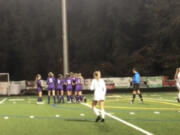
pixel 136 82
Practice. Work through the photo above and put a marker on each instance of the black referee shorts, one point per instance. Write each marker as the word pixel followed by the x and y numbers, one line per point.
pixel 136 86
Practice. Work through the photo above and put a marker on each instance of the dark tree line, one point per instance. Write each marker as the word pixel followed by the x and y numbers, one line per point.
pixel 111 35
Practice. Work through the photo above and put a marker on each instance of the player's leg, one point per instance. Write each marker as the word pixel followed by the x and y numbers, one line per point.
pixel 68 96
pixel 76 95
pixel 178 98
pixel 133 96
pixel 62 96
pixel 71 96
pixel 49 94
pixel 73 93
pixel 134 93
pixel 38 99
pixel 80 96
pixel 58 96
pixel 101 104
pixel 40 96
pixel 54 96
pixel 140 95
pixel 94 103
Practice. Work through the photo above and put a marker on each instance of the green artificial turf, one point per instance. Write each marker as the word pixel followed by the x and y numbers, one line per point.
pixel 159 114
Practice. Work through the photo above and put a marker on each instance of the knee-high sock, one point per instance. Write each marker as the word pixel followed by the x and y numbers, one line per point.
pixel 179 96
pixel 72 98
pixel 48 99
pixel 54 97
pixel 81 98
pixel 62 98
pixel 96 111
pixel 133 98
pixel 58 98
pixel 102 114
pixel 77 98
pixel 140 96
pixel 68 98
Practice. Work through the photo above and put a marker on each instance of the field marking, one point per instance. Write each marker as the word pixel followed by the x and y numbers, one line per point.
pixel 141 108
pixel 162 100
pixel 123 121
pixel 152 100
pixel 2 101
pixel 167 103
pixel 6 117
pixel 156 112
pixel 57 115
pixel 16 99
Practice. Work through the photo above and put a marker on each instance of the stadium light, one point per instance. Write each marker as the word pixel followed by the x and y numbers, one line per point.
pixel 65 39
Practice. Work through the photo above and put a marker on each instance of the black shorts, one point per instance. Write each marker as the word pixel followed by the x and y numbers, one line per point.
pixel 136 86
pixel 73 87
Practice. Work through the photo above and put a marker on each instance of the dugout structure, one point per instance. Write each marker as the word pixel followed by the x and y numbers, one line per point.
pixel 4 83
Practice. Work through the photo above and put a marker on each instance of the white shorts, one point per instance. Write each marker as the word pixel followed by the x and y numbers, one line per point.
pixel 99 97
pixel 178 85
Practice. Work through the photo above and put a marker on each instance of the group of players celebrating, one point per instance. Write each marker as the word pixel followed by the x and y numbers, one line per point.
pixel 71 85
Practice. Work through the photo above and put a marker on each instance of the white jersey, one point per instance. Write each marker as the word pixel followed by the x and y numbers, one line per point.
pixel 178 80
pixel 99 88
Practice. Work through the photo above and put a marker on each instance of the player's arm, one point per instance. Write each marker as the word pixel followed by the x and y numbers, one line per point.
pixel 175 75
pixel 104 87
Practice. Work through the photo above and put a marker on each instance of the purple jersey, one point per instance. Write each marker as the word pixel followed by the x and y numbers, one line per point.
pixel 60 83
pixel 51 83
pixel 39 86
pixel 78 84
pixel 69 83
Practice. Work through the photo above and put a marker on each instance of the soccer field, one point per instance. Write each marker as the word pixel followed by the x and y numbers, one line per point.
pixel 159 115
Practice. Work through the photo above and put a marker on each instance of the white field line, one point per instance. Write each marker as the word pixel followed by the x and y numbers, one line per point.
pixel 114 96
pixel 16 99
pixel 161 99
pixel 124 122
pixel 2 101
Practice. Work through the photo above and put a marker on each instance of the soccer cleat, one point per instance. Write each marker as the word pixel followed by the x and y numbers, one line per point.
pixel 98 119
pixel 69 102
pixel 103 120
pixel 142 101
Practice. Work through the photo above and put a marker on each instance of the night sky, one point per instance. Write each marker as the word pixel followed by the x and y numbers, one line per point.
pixel 110 35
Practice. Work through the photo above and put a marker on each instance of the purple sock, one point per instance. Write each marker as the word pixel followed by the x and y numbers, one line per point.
pixel 68 98
pixel 77 98
pixel 54 99
pixel 62 97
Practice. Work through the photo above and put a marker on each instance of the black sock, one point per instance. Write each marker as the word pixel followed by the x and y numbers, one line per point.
pixel 58 98
pixel 140 96
pixel 54 99
pixel 72 98
pixel 134 96
pixel 48 99
pixel 62 98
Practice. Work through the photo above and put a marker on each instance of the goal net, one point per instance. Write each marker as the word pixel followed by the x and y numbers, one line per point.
pixel 4 83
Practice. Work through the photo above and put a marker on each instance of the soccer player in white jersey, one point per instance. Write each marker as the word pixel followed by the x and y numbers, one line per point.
pixel 177 78
pixel 99 87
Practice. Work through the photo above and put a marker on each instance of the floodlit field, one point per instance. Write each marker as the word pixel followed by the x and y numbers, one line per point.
pixel 160 115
